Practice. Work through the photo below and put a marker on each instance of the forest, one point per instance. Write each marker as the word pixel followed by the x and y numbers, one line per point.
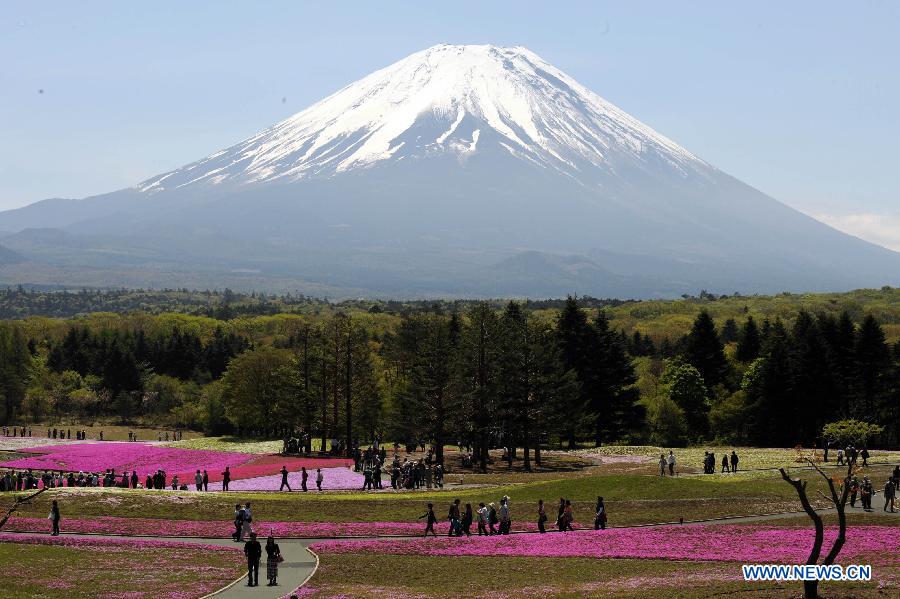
pixel 768 371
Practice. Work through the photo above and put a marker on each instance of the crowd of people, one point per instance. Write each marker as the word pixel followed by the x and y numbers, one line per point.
pixel 496 519
pixel 18 431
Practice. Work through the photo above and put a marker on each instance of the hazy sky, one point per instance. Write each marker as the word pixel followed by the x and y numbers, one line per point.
pixel 799 99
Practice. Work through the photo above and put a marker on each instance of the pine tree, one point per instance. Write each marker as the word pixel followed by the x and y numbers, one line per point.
pixel 873 361
pixel 614 398
pixel 749 342
pixel 705 351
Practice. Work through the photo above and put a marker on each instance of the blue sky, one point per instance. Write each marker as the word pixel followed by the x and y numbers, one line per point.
pixel 798 99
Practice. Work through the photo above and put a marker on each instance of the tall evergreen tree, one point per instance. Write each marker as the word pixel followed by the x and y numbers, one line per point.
pixel 705 351
pixel 613 396
pixel 749 342
pixel 873 361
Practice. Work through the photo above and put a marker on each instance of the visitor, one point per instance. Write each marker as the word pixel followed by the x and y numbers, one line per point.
pixel 174 482
pixel 246 528
pixel 466 522
pixel 560 521
pixel 430 521
pixel 864 454
pixel 734 461
pixel 492 518
pixel 454 517
pixel 600 517
pixel 134 479
pixel 226 478
pixel 542 516
pixel 198 480
pixel 253 551
pixel 238 523
pixel 725 467
pixel 319 478
pixel 505 519
pixel 205 481
pixel 568 516
pixel 662 465
pixel 854 489
pixel 55 518
pixel 896 477
pixel 840 456
pixel 865 493
pixel 304 476
pixel 890 490
pixel 483 515
pixel 284 479
pixel 671 462
pixel 273 556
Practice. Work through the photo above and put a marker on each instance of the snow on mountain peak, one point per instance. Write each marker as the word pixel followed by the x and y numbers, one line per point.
pixel 460 100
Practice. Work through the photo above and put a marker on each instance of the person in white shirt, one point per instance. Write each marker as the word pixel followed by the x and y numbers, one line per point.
pixel 671 461
pixel 319 478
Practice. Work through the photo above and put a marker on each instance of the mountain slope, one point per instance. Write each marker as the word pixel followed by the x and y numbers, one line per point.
pixel 459 170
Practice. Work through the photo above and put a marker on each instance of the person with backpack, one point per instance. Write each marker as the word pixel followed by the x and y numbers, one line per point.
pixel 430 521
pixel 600 516
pixel 864 454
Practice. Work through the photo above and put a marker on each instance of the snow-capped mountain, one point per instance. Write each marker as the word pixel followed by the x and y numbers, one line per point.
pixel 459 170
pixel 447 99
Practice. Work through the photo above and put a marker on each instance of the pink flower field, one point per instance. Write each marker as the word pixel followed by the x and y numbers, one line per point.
pixel 108 544
pixel 146 458
pixel 122 456
pixel 749 544
pixel 334 478
pixel 109 525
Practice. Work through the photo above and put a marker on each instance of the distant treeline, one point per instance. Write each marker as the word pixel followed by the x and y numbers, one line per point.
pixel 483 373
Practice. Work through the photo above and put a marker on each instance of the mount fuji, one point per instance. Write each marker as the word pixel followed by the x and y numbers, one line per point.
pixel 457 171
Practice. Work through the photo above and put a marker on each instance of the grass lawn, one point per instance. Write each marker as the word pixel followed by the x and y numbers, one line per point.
pixel 79 570
pixel 630 500
pixel 111 432
pixel 366 575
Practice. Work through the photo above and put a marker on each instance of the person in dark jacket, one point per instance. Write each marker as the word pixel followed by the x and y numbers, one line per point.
pixel 284 479
pixel 226 478
pixel 253 551
pixel 430 520
pixel 55 518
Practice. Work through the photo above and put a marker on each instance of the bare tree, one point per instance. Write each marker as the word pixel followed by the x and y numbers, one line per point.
pixel 839 500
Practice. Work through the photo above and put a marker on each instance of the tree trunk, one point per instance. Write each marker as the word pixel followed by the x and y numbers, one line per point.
pixel 526 453
pixel 810 589
pixel 537 453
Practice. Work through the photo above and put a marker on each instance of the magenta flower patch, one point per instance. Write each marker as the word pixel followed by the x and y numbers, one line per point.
pixel 746 544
